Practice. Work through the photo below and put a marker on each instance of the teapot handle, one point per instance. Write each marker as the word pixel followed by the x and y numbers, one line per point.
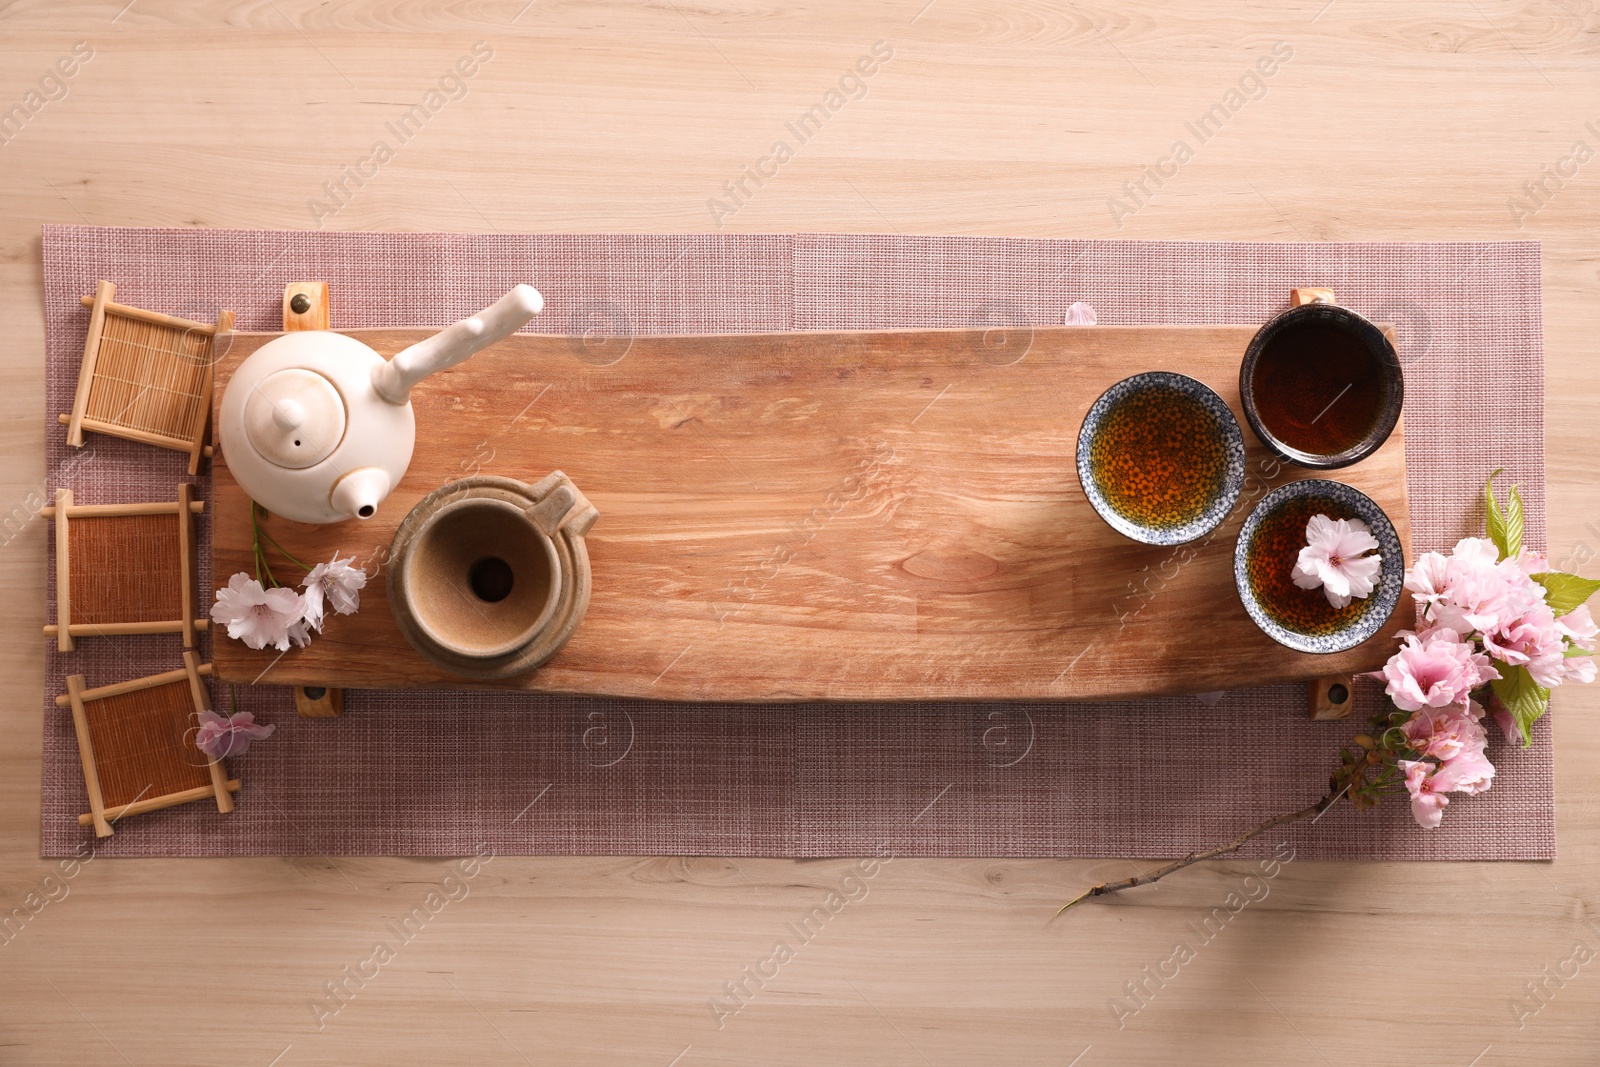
pixel 450 346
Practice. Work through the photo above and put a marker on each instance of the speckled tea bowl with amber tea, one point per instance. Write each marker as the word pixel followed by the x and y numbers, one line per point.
pixel 1161 458
pixel 1265 555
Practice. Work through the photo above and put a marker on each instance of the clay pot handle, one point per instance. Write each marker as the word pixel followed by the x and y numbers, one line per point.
pixel 561 506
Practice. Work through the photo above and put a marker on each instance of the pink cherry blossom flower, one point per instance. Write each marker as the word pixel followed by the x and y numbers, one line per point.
pixel 1530 563
pixel 1532 641
pixel 1427 800
pixel 1473 552
pixel 1475 590
pixel 1578 669
pixel 339 583
pixel 1578 626
pixel 1470 772
pixel 1446 733
pixel 1428 579
pixel 1335 559
pixel 1434 670
pixel 220 737
pixel 258 617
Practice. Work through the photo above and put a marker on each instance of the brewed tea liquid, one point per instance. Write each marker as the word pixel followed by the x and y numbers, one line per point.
pixel 1318 388
pixel 1270 560
pixel 1159 458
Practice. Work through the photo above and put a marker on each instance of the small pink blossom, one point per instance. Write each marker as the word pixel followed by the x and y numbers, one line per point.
pixel 1476 592
pixel 1531 563
pixel 1428 801
pixel 1335 559
pixel 1428 579
pixel 337 582
pixel 1503 719
pixel 1475 552
pixel 258 617
pixel 220 737
pixel 1470 772
pixel 1081 314
pixel 1445 733
pixel 1578 669
pixel 1531 640
pixel 1434 670
pixel 1578 626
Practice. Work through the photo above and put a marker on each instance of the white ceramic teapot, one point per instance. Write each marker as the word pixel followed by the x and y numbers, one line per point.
pixel 317 427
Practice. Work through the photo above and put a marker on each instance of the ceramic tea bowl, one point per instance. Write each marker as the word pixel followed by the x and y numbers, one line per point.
pixel 1161 458
pixel 1270 543
pixel 1321 386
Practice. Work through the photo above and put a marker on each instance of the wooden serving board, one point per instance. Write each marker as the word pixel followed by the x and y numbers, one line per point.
pixel 824 516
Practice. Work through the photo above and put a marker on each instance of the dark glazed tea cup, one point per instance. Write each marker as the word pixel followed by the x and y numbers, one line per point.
pixel 1161 458
pixel 1321 386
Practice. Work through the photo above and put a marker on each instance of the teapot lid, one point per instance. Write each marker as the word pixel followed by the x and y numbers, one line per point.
pixel 295 418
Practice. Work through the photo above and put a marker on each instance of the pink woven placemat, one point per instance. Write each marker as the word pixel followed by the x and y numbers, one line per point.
pixel 444 773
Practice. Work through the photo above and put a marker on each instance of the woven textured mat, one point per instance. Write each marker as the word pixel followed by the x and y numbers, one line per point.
pixel 434 773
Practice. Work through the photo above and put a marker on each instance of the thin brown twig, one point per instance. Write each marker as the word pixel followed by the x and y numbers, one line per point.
pixel 1106 888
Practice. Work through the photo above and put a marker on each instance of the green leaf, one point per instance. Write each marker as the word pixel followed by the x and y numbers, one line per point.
pixel 1564 592
pixel 1514 523
pixel 1503 527
pixel 1523 697
pixel 1573 651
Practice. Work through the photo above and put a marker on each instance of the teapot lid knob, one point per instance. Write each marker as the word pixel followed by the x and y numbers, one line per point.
pixel 288 414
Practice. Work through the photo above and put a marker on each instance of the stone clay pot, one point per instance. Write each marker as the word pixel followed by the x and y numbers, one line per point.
pixel 489 576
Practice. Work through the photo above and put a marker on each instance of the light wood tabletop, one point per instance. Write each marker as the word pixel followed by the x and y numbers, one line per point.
pixel 1381 121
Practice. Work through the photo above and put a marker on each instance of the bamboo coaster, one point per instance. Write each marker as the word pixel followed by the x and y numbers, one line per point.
pixel 125 568
pixel 135 740
pixel 145 376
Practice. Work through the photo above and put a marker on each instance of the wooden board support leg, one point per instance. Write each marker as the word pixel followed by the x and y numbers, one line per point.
pixel 1331 697
pixel 305 306
pixel 1301 297
pixel 317 702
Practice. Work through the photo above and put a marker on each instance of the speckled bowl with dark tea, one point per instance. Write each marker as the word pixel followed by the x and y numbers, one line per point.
pixel 1265 555
pixel 1161 458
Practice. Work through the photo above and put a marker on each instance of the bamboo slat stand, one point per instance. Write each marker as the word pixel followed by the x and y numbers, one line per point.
pixel 125 568
pixel 145 376
pixel 135 739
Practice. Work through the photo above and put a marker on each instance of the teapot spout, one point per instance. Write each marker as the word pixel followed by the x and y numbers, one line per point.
pixel 394 379
pixel 357 494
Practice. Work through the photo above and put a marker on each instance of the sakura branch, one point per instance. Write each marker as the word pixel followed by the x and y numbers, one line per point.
pixel 1500 630
pixel 261 611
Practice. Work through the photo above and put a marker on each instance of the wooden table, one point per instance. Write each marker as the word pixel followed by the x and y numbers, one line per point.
pixel 1390 122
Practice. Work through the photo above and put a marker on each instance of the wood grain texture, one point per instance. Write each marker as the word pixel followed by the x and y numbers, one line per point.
pixel 1395 121
pixel 852 516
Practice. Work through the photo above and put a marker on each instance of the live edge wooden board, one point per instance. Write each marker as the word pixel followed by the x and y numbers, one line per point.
pixel 823 516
